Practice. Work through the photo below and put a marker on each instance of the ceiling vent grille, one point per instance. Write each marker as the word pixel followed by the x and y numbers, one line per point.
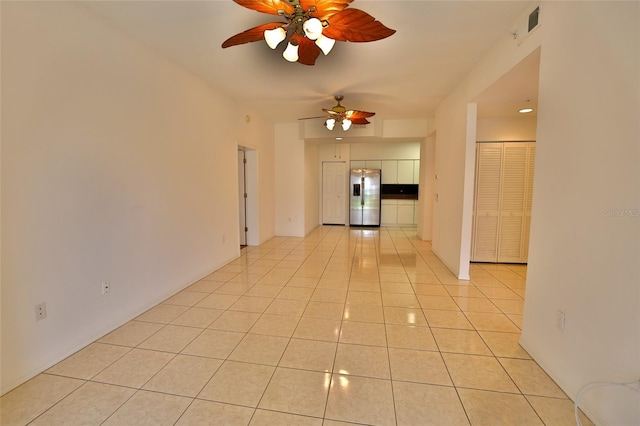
pixel 533 19
pixel 527 24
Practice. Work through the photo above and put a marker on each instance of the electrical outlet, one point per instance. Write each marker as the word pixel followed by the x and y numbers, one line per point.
pixel 106 287
pixel 560 321
pixel 41 311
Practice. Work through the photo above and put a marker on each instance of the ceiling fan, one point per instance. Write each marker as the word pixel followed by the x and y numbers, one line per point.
pixel 311 27
pixel 346 117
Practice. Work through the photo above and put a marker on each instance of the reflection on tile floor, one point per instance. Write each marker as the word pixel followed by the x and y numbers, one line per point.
pixel 345 326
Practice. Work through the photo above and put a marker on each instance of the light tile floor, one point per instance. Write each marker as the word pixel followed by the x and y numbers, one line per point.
pixel 345 326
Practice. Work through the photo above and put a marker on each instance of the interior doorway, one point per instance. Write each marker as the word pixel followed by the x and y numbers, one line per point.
pixel 248 196
pixel 334 181
pixel 242 197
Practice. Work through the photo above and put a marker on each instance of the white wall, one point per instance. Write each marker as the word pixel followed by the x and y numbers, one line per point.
pixel 311 187
pixel 455 151
pixel 257 134
pixel 290 180
pixel 507 128
pixel 427 187
pixel 451 123
pixel 116 165
pixel 469 189
pixel 385 150
pixel 585 232
pixel 408 128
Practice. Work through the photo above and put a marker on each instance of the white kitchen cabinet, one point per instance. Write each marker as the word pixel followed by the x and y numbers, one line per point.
pixel 389 171
pixel 502 205
pixel 399 212
pixel 373 164
pixel 405 171
pixel 405 212
pixel 358 164
pixel 389 212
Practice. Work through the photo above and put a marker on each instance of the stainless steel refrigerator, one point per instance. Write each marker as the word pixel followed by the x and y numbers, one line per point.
pixel 365 197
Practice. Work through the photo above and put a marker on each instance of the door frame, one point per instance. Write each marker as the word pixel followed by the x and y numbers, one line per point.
pixel 242 196
pixel 251 186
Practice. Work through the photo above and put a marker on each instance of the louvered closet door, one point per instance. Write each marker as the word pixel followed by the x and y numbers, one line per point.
pixel 487 202
pixel 514 180
pixel 528 201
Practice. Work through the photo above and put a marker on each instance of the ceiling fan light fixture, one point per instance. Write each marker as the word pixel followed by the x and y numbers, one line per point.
pixel 346 125
pixel 325 44
pixel 312 28
pixel 310 21
pixel 291 52
pixel 330 123
pixel 275 36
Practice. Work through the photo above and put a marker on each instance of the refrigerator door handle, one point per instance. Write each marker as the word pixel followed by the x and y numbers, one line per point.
pixel 363 192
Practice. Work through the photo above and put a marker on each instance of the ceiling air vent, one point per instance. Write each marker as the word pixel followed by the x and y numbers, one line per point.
pixel 533 19
pixel 526 25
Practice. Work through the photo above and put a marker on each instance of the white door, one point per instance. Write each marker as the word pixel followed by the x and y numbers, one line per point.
pixel 513 202
pixel 487 202
pixel 502 209
pixel 334 181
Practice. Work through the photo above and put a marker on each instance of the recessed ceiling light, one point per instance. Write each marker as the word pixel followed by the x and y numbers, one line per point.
pixel 525 110
pixel 338 139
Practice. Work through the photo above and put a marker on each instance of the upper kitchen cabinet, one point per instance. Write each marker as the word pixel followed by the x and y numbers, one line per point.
pixel 405 171
pixel 389 171
pixel 373 164
pixel 400 172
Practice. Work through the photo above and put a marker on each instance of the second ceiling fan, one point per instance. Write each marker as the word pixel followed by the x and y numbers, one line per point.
pixel 346 117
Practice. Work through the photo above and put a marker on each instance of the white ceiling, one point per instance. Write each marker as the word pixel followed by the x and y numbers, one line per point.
pixel 403 76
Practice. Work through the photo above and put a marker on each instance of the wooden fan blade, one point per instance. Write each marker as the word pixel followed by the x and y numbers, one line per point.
pixel 330 112
pixel 251 35
pixel 325 8
pixel 308 52
pixel 312 118
pixel 359 121
pixel 266 6
pixel 360 114
pixel 356 26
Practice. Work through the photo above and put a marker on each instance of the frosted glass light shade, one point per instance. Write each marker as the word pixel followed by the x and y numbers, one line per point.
pixel 346 125
pixel 312 28
pixel 330 123
pixel 325 43
pixel 291 52
pixel 275 36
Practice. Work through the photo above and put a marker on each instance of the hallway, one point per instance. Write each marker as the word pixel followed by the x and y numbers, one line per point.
pixel 344 326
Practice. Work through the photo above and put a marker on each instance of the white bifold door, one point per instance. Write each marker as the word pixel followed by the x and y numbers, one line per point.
pixel 502 205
